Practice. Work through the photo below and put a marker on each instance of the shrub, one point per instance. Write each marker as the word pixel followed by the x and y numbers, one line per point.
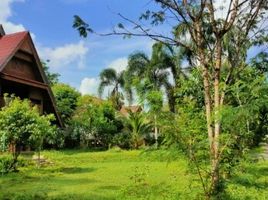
pixel 5 164
pixel 21 125
pixel 122 140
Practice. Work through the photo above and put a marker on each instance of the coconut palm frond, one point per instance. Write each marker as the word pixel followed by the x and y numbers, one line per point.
pixel 108 74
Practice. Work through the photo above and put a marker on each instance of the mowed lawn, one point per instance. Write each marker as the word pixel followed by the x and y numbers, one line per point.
pixel 121 175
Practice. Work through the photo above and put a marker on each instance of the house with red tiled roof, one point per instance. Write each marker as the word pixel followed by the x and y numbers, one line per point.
pixel 22 74
pixel 126 109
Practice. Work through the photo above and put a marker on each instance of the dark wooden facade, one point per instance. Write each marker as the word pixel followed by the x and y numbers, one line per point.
pixel 22 74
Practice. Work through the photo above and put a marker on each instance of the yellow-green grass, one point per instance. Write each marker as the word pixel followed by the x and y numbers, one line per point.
pixel 121 175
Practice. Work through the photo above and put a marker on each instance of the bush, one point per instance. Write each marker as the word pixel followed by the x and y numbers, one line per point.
pixel 5 164
pixel 122 140
pixel 22 125
pixel 93 124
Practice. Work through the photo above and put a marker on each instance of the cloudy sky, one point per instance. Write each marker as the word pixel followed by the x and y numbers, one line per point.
pixel 78 60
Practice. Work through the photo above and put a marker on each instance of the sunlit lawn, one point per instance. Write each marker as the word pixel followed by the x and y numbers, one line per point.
pixel 120 175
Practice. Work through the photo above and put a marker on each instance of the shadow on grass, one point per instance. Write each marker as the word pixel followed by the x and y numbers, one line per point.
pixel 70 182
pixel 77 151
pixel 262 171
pixel 76 170
pixel 157 191
pixel 67 170
pixel 253 177
pixel 44 196
pixel 81 197
pixel 109 187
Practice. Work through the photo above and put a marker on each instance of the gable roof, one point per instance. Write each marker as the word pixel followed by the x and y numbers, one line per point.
pixel 9 45
pixel 126 109
pixel 2 31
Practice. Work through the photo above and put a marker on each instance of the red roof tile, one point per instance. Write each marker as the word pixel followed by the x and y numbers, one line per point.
pixel 8 44
pixel 126 109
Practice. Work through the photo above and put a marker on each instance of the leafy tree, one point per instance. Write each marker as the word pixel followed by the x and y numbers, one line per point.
pixel 208 33
pixel 249 94
pixel 155 102
pixel 53 78
pixel 21 125
pixel 94 123
pixel 66 100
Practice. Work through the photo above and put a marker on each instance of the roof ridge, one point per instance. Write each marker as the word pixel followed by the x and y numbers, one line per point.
pixel 17 33
pixel 11 43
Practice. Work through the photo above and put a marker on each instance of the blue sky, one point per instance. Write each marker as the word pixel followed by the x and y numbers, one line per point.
pixel 78 60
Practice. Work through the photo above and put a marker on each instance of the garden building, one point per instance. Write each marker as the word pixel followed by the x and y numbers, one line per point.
pixel 126 109
pixel 22 74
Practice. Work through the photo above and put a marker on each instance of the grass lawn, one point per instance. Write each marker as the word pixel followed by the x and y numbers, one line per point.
pixel 121 175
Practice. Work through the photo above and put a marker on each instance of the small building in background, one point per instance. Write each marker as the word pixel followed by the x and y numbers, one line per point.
pixel 126 109
pixel 22 74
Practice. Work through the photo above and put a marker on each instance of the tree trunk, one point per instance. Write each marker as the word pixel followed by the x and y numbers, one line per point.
pixel 217 120
pixel 155 131
pixel 15 154
pixel 208 105
pixel 206 83
pixel 213 128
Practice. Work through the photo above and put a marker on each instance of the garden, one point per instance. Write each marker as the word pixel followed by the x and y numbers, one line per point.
pixel 187 119
pixel 117 174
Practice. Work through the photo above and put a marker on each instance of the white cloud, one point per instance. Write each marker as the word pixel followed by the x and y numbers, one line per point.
pixel 119 64
pixel 89 86
pixel 63 56
pixel 6 12
pixel 221 7
pixel 5 9
pixel 59 57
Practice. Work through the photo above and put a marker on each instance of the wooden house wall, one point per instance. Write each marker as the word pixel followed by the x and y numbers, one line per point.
pixel 21 77
pixel 35 95
pixel 20 68
pixel 26 46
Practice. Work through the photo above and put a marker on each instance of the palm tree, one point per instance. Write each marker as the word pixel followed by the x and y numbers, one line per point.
pixel 148 77
pixel 109 77
pixel 151 75
pixel 162 71
pixel 138 127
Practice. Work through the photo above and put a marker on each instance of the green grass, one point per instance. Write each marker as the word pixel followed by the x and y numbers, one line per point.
pixel 121 175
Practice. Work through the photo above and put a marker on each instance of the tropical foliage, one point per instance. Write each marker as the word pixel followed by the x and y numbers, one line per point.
pixel 116 80
pixel 21 126
pixel 66 100
pixel 201 92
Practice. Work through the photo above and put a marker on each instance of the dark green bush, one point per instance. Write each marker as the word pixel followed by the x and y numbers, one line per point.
pixel 5 164
pixel 122 140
